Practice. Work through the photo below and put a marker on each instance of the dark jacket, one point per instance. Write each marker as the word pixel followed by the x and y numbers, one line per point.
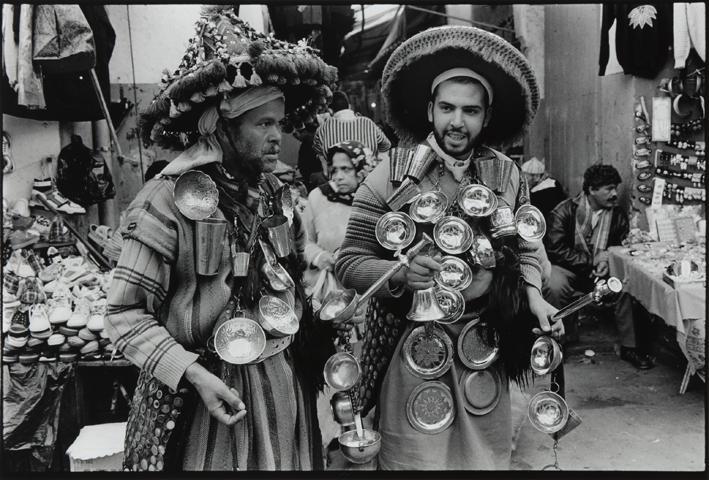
pixel 559 240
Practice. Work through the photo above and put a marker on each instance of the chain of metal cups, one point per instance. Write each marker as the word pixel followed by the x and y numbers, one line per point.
pixel 548 411
pixel 241 340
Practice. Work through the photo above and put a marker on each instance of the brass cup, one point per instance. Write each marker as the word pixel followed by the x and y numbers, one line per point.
pixel 548 412
pixel 546 355
pixel 395 230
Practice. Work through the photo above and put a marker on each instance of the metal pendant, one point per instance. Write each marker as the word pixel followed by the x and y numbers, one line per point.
pixel 430 408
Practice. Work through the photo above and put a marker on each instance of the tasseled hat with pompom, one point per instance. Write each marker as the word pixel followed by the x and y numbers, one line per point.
pixel 224 55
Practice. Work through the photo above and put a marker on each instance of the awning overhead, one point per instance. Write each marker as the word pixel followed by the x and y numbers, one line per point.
pixel 385 26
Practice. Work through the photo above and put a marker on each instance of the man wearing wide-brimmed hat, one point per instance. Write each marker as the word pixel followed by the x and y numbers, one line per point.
pixel 449 92
pixel 197 406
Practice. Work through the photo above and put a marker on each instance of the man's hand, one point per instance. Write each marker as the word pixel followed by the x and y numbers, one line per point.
pixel 324 261
pixel 419 275
pixel 601 270
pixel 223 402
pixel 544 311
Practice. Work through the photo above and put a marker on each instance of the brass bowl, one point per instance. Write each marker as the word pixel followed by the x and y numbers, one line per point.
pixel 339 305
pixel 239 340
pixel 342 371
pixel 548 412
pixel 453 235
pixel 477 200
pixel 428 207
pixel 451 302
pixel 481 251
pixel 430 408
pixel 454 274
pixel 277 317
pixel 545 356
pixel 360 450
pixel 427 354
pixel 530 223
pixel 195 195
pixel 473 348
pixel 481 390
pixel 395 230
pixel 277 276
pixel 342 411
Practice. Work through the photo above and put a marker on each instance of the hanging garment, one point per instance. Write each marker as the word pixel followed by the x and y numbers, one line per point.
pixel 642 40
pixel 9 45
pixel 689 31
pixel 82 175
pixel 29 82
pixel 63 40
pixel 71 96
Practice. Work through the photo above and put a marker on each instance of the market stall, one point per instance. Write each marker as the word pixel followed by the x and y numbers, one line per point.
pixel 680 300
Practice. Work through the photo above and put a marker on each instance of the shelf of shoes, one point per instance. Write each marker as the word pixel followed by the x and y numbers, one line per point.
pixel 54 298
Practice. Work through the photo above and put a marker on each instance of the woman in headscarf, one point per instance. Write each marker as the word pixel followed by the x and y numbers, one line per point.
pixel 329 205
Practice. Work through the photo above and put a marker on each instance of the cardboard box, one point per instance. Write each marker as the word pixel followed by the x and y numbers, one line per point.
pixel 98 448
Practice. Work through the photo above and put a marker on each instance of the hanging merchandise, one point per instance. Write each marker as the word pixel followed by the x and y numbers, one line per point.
pixel 68 95
pixel 63 40
pixel 642 39
pixel 82 175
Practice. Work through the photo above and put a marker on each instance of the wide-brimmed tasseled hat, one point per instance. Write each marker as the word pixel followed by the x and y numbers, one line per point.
pixel 226 56
pixel 412 67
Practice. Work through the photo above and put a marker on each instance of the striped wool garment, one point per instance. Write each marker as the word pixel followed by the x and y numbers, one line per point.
pixel 350 127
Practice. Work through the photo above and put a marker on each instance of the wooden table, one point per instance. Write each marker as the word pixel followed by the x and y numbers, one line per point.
pixel 640 267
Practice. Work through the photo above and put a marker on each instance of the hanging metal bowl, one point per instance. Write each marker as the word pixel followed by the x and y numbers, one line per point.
pixel 455 273
pixel 339 305
pixel 358 449
pixel 545 356
pixel 453 235
pixel 481 390
pixel 548 412
pixel 428 207
pixel 430 408
pixel 239 340
pixel 342 411
pixel 195 195
pixel 474 349
pixel 277 317
pixel 278 278
pixel 451 302
pixel 342 371
pixel 530 223
pixel 395 230
pixel 427 352
pixel 477 200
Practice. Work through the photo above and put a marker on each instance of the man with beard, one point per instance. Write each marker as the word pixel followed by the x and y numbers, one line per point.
pixel 580 232
pixel 449 92
pixel 198 406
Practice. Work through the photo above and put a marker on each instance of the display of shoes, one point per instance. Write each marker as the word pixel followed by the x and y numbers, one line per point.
pixel 39 322
pixel 46 190
pixel 99 235
pixel 18 334
pixel 10 284
pixel 41 225
pixel 59 233
pixel 80 317
pixel 639 360
pixel 20 208
pixel 59 310
pixel 98 311
pixel 51 272
pixel 30 291
pixel 56 339
pixel 8 311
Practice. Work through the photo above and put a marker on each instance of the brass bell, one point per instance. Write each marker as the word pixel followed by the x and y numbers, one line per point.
pixel 425 307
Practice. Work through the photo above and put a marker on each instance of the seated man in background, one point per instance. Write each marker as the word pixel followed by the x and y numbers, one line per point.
pixel 545 192
pixel 579 232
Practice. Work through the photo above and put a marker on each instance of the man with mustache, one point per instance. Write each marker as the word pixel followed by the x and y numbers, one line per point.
pixel 196 408
pixel 449 93
pixel 580 231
